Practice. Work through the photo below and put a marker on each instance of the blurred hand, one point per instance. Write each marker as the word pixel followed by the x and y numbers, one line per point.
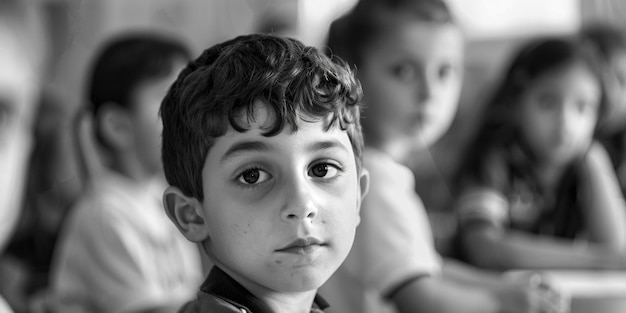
pixel 531 293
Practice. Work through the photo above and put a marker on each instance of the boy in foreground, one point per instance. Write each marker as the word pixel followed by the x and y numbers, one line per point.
pixel 262 150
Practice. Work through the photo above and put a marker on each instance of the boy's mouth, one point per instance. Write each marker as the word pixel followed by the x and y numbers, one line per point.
pixel 302 246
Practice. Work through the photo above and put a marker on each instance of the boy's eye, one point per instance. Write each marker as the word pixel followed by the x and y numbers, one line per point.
pixel 253 176
pixel 323 170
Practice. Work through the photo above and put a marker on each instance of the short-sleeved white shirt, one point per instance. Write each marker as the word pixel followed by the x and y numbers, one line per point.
pixel 394 242
pixel 118 251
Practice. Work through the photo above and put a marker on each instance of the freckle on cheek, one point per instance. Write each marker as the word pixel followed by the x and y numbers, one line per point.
pixel 278 262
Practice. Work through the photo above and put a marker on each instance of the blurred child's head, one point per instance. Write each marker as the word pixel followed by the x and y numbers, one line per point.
pixel 21 67
pixel 550 99
pixel 610 44
pixel 129 78
pixel 262 151
pixel 409 58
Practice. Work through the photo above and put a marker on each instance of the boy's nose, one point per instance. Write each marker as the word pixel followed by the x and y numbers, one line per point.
pixel 299 205
pixel 298 215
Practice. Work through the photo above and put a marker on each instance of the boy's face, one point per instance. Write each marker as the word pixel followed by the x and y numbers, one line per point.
pixel 412 80
pixel 146 123
pixel 18 97
pixel 558 113
pixel 281 211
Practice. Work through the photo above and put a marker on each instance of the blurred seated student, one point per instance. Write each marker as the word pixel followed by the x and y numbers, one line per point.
pixel 409 56
pixel 117 251
pixel 537 191
pixel 609 41
pixel 22 58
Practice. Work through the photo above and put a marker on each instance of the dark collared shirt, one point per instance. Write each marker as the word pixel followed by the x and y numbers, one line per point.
pixel 221 294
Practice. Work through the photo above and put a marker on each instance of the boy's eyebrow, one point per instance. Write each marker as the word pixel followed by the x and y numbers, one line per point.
pixel 256 146
pixel 244 147
pixel 326 144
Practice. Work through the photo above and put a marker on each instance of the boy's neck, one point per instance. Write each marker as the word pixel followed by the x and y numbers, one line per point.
pixel 279 302
pixel 291 303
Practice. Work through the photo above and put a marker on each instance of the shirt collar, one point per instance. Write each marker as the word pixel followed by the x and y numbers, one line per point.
pixel 222 285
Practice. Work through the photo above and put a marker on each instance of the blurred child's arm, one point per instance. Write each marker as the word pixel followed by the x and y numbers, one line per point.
pixel 494 247
pixel 605 215
pixel 434 294
pixel 469 275
pixel 437 294
pixel 513 294
pixel 487 242
pixel 172 307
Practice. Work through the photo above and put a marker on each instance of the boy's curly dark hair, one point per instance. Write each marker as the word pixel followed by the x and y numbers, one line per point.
pixel 295 81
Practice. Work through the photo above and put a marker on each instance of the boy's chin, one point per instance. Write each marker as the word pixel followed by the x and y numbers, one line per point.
pixel 305 283
pixel 307 280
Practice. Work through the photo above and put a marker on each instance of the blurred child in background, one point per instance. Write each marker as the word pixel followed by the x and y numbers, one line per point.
pixel 610 44
pixel 117 251
pixel 537 192
pixel 409 57
pixel 22 59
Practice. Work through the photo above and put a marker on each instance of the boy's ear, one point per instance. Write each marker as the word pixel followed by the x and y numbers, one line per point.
pixel 115 125
pixel 186 213
pixel 364 186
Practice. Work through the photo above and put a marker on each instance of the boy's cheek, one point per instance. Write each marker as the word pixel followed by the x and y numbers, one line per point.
pixel 249 199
